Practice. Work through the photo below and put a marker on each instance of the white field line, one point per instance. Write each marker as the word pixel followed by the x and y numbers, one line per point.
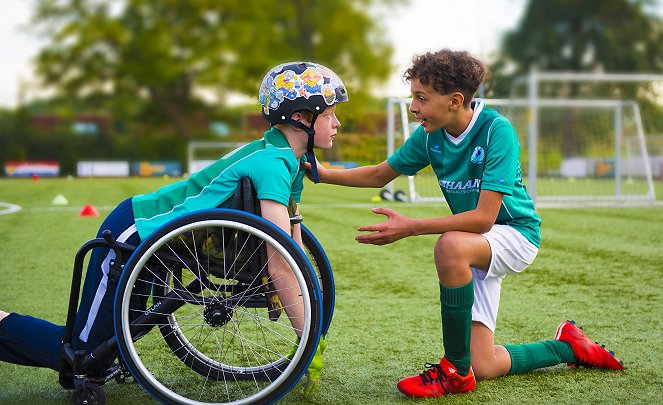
pixel 9 208
pixel 56 209
pixel 12 208
pixel 545 205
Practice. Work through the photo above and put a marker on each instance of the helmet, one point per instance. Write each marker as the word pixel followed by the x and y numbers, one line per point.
pixel 296 86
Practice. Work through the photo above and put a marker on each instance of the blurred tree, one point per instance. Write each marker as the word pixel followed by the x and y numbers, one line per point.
pixel 153 56
pixel 585 36
pixel 580 36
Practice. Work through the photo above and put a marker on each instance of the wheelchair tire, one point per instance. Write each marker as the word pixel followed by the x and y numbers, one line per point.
pixel 318 259
pixel 220 345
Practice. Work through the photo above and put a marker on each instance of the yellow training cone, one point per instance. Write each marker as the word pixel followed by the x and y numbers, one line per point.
pixel 60 200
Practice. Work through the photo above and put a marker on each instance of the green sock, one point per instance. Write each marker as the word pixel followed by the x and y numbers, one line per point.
pixel 531 356
pixel 457 324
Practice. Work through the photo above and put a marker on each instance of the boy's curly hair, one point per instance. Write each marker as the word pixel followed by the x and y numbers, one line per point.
pixel 448 71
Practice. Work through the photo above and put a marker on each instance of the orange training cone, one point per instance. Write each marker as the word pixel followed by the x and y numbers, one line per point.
pixel 88 211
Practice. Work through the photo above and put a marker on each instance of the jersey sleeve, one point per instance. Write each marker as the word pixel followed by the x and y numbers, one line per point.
pixel 273 181
pixel 412 156
pixel 502 158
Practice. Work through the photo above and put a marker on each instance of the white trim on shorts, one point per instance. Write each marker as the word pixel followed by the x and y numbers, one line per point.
pixel 510 252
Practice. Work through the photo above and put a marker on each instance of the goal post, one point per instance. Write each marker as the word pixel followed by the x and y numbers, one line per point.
pixel 203 153
pixel 581 153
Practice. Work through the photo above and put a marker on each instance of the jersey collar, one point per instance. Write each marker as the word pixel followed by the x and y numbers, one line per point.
pixel 276 138
pixel 477 106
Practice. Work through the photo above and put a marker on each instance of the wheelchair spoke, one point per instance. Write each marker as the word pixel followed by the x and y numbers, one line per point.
pixel 205 330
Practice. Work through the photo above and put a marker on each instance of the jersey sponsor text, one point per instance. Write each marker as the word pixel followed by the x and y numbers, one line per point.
pixel 453 186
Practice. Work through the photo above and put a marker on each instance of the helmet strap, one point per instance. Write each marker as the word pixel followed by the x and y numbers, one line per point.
pixel 310 156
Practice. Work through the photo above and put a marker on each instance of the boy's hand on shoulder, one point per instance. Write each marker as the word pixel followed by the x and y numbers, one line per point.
pixel 309 172
pixel 394 228
pixel 306 166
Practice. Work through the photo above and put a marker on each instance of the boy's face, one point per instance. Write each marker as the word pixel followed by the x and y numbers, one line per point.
pixel 432 109
pixel 326 126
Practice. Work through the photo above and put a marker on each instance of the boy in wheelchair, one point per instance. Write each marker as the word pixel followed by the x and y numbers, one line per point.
pixel 299 101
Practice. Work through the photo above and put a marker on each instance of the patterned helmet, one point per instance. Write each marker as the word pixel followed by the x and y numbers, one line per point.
pixel 296 86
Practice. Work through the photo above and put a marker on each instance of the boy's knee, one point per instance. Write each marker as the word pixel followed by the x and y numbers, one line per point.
pixel 481 373
pixel 3 315
pixel 451 261
pixel 448 247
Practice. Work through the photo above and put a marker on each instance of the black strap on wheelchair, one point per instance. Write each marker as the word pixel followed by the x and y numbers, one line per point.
pixel 246 199
pixel 115 269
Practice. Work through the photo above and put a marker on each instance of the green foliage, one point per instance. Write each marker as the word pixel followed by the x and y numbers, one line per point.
pixel 600 267
pixel 147 59
pixel 361 148
pixel 588 36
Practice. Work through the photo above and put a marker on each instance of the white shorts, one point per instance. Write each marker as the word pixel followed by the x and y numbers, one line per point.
pixel 510 253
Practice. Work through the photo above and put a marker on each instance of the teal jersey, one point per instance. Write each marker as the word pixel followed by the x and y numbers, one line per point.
pixel 484 157
pixel 268 162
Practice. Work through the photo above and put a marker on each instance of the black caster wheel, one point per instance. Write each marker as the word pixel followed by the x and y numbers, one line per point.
pixel 386 195
pixel 400 196
pixel 91 394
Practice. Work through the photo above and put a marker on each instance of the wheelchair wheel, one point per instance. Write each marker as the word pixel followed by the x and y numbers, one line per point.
pixel 191 313
pixel 318 259
pixel 176 337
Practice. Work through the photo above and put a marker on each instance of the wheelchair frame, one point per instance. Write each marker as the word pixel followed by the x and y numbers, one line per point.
pixel 311 269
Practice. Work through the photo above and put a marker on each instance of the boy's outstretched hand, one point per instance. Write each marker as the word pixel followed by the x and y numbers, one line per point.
pixel 397 226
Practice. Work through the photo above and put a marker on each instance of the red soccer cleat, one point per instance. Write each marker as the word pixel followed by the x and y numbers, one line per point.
pixel 588 353
pixel 439 379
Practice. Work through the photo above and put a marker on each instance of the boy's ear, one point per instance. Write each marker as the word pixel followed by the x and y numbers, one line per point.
pixel 297 116
pixel 457 100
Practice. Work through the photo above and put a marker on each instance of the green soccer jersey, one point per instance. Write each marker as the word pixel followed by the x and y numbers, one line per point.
pixel 268 162
pixel 484 157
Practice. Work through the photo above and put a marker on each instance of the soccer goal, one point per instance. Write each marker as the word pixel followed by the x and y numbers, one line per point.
pixel 583 152
pixel 203 153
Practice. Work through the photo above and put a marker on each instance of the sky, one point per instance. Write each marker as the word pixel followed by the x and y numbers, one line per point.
pixel 425 25
pixel 429 25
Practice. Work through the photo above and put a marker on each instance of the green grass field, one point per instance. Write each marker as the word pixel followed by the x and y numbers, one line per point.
pixel 602 267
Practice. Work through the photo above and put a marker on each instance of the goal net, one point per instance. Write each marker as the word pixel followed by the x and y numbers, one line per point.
pixel 203 153
pixel 586 152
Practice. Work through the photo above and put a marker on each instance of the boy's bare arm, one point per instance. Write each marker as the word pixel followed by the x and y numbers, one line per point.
pixel 366 176
pixel 276 213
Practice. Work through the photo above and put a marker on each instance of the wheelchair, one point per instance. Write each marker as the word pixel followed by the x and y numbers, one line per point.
pixel 197 315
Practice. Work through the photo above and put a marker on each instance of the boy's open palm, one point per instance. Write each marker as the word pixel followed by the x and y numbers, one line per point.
pixel 397 226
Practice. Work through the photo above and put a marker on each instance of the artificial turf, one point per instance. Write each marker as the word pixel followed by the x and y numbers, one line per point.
pixel 602 267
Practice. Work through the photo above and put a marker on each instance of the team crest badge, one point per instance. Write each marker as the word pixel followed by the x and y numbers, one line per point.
pixel 478 155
